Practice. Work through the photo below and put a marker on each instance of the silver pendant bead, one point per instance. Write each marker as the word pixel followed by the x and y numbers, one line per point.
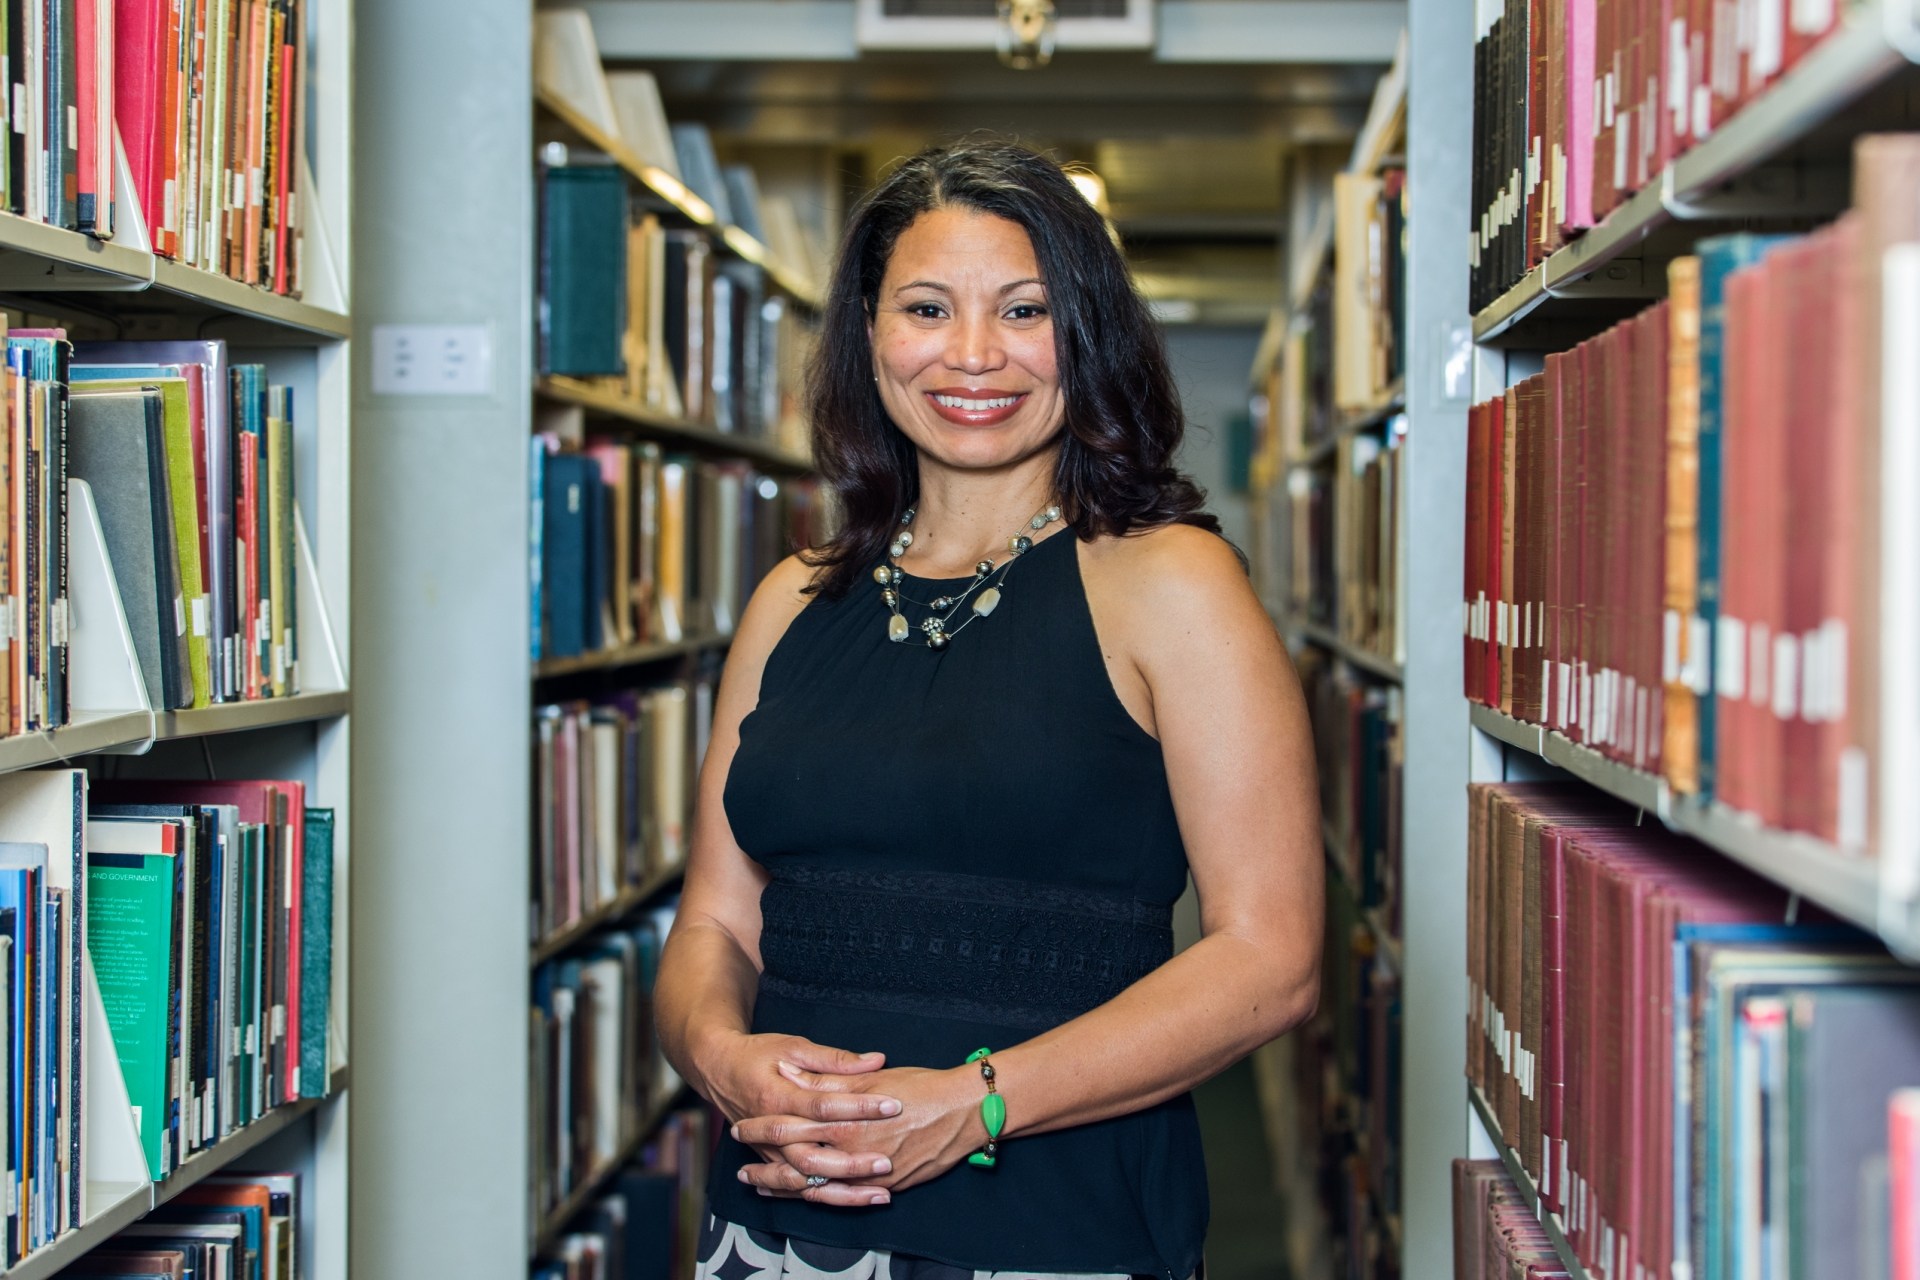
pixel 984 568
pixel 905 538
pixel 1020 544
pixel 883 575
pixel 889 597
pixel 1052 514
pixel 896 628
pixel 942 602
pixel 938 640
pixel 1038 522
pixel 908 517
pixel 898 548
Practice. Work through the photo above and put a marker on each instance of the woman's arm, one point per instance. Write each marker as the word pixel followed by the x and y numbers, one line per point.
pixel 1194 657
pixel 710 966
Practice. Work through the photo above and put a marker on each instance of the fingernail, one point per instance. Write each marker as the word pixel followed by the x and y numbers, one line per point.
pixel 742 1175
pixel 889 1108
pixel 786 1068
pixel 762 1191
pixel 883 1165
pixel 881 1198
pixel 734 1133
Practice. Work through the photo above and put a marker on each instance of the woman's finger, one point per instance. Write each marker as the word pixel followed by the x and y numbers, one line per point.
pixel 786 1182
pixel 811 1159
pixel 781 1131
pixel 809 1056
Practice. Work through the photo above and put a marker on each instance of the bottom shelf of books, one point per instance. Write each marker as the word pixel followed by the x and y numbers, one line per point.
pixel 1685 1070
pixel 168 1009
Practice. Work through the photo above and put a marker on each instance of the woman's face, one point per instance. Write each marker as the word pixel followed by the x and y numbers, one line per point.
pixel 963 341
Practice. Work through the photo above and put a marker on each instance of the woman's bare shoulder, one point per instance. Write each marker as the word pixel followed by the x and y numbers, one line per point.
pixel 1172 589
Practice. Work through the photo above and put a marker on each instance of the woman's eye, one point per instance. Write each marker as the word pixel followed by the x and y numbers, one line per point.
pixel 925 310
pixel 1026 311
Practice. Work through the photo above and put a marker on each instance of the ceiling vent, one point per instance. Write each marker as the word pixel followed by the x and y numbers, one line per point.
pixel 895 25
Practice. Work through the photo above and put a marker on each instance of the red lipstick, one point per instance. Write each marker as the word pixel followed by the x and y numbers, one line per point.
pixel 975 406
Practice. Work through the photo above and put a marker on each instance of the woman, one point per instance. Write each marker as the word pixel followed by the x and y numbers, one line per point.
pixel 963 758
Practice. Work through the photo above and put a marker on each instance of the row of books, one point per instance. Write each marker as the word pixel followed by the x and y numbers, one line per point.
pixel 190 465
pixel 1369 287
pixel 1696 1084
pixel 597 1068
pixel 665 316
pixel 1580 103
pixel 647 1226
pixel 633 545
pixel 613 795
pixel 1357 737
pixel 202 913
pixel 625 109
pixel 1672 531
pixel 1344 537
pixel 237 1226
pixel 1495 1233
pixel 211 102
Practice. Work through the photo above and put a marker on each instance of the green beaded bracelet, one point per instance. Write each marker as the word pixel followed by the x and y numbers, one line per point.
pixel 993 1112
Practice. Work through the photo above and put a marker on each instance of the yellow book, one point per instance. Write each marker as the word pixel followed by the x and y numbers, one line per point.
pixel 1680 732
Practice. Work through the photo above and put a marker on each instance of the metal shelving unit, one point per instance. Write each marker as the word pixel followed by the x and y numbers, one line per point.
pixel 1846 884
pixel 554 1222
pixel 1326 638
pixel 1705 183
pixel 670 191
pixel 608 405
pixel 633 655
pixel 1351 424
pixel 1556 1230
pixel 625 903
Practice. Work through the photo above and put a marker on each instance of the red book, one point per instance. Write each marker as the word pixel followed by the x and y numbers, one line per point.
pixel 139 98
pixel 1472 555
pixel 86 92
pixel 1496 435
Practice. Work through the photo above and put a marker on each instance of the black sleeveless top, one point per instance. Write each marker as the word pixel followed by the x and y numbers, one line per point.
pixel 967 847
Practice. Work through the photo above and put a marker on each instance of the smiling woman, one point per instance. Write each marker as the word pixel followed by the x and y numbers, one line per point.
pixel 924 961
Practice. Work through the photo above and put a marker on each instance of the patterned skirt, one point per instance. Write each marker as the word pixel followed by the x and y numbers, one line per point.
pixel 732 1252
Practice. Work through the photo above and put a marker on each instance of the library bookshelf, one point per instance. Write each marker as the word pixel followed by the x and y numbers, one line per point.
pixel 1782 162
pixel 118 728
pixel 1329 400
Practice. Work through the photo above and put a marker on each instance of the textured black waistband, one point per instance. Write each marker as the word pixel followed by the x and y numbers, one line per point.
pixel 1006 952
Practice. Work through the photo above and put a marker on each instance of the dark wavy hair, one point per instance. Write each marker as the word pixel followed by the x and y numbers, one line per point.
pixel 1123 418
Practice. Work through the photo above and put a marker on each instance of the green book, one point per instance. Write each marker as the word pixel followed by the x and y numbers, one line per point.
pixel 130 917
pixel 316 951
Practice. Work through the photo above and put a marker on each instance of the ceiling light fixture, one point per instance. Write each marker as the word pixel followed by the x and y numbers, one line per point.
pixel 1026 33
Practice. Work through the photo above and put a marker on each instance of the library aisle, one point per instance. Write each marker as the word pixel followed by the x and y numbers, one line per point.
pixel 402 400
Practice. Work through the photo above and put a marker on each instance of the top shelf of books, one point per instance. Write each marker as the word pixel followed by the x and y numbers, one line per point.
pixel 622 117
pixel 1575 236
pixel 156 167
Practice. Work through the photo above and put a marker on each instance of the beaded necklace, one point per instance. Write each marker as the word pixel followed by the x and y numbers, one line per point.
pixel 937 627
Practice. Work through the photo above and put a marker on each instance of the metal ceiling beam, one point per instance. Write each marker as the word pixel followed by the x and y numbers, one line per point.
pixel 1245 31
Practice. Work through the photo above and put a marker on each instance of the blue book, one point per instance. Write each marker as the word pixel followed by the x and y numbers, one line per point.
pixel 1720 257
pixel 316 951
pixel 536 545
pixel 568 507
pixel 583 270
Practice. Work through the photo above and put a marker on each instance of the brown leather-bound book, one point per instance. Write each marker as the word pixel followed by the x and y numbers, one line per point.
pixel 1509 438
pixel 1680 740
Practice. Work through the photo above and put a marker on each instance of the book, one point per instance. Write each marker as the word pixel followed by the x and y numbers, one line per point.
pixel 583 246
pixel 131 926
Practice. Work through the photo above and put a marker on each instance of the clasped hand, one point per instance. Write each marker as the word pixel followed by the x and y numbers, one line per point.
pixel 813 1111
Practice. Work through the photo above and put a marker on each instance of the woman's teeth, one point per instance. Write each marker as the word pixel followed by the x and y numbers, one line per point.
pixel 976 406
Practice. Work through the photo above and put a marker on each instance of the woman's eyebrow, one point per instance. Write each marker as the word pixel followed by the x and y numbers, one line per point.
pixel 1009 288
pixel 923 284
